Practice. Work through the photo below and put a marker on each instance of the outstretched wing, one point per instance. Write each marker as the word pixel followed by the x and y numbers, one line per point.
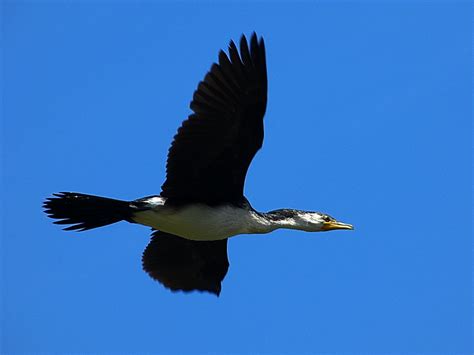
pixel 187 265
pixel 210 154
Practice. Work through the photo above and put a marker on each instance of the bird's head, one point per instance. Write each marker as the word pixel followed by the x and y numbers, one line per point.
pixel 306 220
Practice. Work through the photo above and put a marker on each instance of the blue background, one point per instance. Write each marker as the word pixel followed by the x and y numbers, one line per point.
pixel 369 120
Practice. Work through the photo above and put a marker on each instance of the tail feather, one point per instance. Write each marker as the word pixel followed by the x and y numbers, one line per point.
pixel 85 212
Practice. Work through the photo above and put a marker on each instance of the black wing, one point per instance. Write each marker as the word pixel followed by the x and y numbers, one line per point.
pixel 211 152
pixel 187 265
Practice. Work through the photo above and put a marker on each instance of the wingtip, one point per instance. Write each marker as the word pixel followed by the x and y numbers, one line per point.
pixel 253 36
pixel 243 42
pixel 232 44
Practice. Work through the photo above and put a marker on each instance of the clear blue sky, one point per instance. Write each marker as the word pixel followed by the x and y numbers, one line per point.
pixel 369 120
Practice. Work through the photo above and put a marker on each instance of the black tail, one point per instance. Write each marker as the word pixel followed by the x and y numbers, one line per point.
pixel 86 211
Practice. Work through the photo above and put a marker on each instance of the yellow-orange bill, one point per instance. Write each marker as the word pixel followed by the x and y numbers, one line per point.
pixel 336 225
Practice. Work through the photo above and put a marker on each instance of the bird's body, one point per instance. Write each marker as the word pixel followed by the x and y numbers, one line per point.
pixel 202 201
pixel 201 222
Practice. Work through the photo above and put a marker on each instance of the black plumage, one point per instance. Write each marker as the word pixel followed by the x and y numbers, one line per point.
pixel 86 211
pixel 210 154
pixel 181 264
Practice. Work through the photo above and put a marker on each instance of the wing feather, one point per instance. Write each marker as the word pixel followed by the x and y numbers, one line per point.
pixel 212 150
pixel 186 265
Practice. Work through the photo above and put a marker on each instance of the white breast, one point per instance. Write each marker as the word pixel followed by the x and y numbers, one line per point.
pixel 201 222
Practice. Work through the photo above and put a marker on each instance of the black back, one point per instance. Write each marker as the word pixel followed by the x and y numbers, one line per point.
pixel 186 265
pixel 210 154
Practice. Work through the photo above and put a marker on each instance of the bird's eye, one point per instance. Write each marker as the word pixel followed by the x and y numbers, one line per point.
pixel 327 219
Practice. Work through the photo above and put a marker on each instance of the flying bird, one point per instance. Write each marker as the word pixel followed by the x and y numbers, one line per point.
pixel 202 201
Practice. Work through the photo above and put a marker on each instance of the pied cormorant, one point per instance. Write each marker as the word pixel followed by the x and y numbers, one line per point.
pixel 202 201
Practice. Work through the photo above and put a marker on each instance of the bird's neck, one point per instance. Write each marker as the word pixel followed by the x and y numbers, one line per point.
pixel 268 222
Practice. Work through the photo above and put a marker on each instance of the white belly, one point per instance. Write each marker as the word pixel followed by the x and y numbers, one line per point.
pixel 200 222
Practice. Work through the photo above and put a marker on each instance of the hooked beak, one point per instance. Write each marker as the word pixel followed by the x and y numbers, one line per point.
pixel 327 226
